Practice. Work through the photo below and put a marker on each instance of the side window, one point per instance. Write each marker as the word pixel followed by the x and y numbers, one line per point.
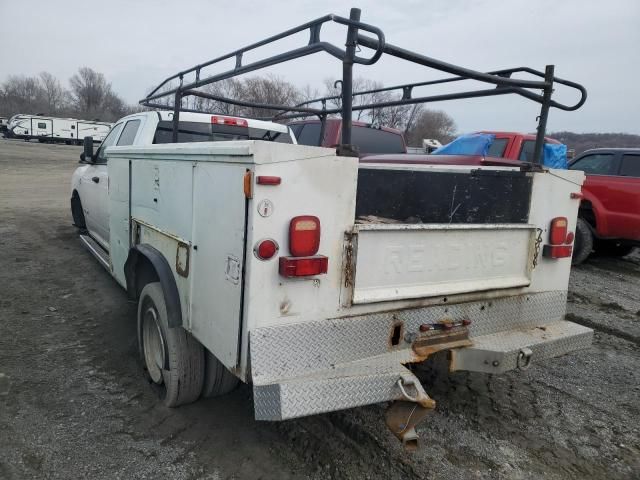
pixel 630 166
pixel 497 147
pixel 309 134
pixel 107 142
pixel 596 164
pixel 526 153
pixel 296 128
pixel 42 125
pixel 129 132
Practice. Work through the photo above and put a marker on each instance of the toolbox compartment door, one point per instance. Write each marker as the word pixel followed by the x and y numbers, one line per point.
pixel 398 261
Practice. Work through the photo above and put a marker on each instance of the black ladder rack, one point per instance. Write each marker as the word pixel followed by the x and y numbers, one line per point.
pixel 501 80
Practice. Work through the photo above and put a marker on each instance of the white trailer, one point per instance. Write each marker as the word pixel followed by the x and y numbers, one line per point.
pixel 54 129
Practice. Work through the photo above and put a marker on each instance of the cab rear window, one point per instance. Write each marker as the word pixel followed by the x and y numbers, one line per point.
pixel 374 140
pixel 189 132
pixel 367 139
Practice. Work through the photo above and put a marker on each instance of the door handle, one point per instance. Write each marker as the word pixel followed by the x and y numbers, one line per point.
pixel 95 179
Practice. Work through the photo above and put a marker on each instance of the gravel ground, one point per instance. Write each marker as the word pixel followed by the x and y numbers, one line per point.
pixel 78 406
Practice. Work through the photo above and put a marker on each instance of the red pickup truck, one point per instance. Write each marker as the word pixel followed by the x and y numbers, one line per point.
pixel 609 215
pixel 508 149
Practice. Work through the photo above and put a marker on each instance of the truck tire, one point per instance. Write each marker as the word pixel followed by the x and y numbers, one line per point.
pixel 217 379
pixel 173 359
pixel 583 243
pixel 76 211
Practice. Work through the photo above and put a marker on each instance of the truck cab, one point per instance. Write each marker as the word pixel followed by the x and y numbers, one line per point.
pixel 369 139
pixel 90 182
pixel 514 145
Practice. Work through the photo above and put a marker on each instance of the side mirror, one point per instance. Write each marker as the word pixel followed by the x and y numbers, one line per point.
pixel 87 155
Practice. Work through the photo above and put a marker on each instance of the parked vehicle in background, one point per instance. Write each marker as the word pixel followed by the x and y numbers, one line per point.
pixel 508 149
pixel 54 129
pixel 367 137
pixel 428 146
pixel 515 146
pixel 609 215
pixel 4 121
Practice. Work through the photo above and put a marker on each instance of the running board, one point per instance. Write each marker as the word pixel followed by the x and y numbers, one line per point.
pixel 96 250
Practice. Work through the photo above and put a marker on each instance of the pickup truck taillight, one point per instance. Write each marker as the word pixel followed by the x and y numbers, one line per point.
pixel 303 266
pixel 304 236
pixel 560 240
pixel 304 243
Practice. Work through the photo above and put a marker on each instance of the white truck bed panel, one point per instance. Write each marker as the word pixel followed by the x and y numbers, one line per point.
pixel 217 257
pixel 398 262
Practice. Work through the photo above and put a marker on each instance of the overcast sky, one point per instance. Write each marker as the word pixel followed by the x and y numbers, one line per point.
pixel 136 44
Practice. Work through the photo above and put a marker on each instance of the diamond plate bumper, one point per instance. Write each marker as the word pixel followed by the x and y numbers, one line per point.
pixel 329 390
pixel 320 366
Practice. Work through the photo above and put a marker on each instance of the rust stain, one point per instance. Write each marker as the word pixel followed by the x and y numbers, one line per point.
pixel 435 341
pixel 182 259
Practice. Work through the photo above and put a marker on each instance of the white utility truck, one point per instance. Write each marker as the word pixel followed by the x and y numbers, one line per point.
pixel 54 129
pixel 318 279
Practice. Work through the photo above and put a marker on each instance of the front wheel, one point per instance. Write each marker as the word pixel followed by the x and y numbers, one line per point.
pixel 583 244
pixel 174 360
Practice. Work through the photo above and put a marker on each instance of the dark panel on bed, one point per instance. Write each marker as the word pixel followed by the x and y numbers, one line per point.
pixel 482 196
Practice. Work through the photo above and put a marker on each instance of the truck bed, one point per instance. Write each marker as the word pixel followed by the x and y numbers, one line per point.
pixel 454 264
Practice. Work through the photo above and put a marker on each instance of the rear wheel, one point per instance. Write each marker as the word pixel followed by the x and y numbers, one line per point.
pixel 217 379
pixel 583 243
pixel 173 359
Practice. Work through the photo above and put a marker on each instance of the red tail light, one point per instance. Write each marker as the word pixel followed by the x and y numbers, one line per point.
pixel 559 239
pixel 558 231
pixel 303 267
pixel 220 120
pixel 265 249
pixel 304 236
pixel 557 251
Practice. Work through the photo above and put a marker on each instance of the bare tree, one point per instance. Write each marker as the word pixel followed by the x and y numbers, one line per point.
pixel 431 124
pixel 23 95
pixel 54 94
pixel 89 89
pixel 270 90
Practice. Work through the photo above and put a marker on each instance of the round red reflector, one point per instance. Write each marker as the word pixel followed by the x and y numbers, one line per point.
pixel 570 237
pixel 265 249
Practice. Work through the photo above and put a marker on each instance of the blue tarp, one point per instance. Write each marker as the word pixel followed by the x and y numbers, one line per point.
pixel 555 156
pixel 471 144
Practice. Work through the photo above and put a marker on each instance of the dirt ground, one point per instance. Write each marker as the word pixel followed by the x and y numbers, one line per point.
pixel 78 406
